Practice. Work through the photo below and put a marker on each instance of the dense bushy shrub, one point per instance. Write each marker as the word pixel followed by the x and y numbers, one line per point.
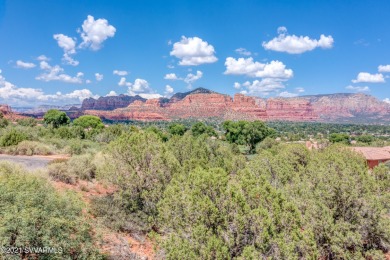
pixel 177 129
pixel 69 132
pixel 160 133
pixel 209 214
pixel 71 170
pixel 202 151
pixel 88 121
pixel 60 172
pixel 33 214
pixel 200 128
pixel 56 118
pixel 368 139
pixel 340 201
pixel 82 166
pixel 141 166
pixel 246 133
pixel 110 133
pixel 12 137
pixel 339 138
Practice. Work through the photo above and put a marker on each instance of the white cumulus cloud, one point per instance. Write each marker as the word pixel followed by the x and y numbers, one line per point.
pixel 384 68
pixel 191 78
pixel 300 90
pixel 13 95
pixel 262 87
pixel 43 58
pixel 369 78
pixel 358 88
pixel 55 73
pixel 98 76
pixel 123 83
pixel 171 76
pixel 193 51
pixel 387 100
pixel 248 67
pixel 111 93
pixel 120 72
pixel 139 87
pixel 150 95
pixel 168 89
pixel 66 43
pixel 25 65
pixel 67 59
pixel 297 44
pixel 95 32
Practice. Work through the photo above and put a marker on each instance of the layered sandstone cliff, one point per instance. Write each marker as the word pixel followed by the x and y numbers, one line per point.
pixel 291 109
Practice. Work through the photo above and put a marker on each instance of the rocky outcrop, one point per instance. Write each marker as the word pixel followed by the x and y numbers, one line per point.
pixel 7 113
pixel 109 103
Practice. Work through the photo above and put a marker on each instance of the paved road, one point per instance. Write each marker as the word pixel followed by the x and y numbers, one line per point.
pixel 30 162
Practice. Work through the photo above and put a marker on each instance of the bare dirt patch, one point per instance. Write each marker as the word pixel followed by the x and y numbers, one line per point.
pixel 115 244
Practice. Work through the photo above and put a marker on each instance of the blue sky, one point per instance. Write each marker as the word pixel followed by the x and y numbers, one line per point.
pixel 59 52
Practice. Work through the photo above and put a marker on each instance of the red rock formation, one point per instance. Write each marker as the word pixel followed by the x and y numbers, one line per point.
pixel 348 106
pixel 8 113
pixel 291 109
pixel 212 105
pixel 202 103
pixel 244 107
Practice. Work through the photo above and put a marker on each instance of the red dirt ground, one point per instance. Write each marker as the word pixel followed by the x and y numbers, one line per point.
pixel 113 243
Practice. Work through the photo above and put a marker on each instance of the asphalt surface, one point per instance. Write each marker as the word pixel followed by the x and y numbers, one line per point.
pixel 29 162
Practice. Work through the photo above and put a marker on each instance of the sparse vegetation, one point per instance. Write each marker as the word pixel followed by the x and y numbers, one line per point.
pixel 206 192
pixel 34 214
